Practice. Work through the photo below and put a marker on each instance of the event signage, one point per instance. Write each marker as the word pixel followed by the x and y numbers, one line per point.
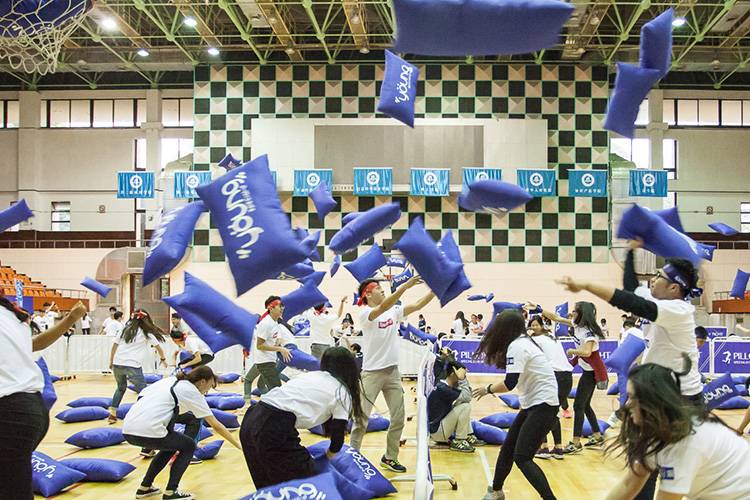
pixel 463 350
pixel 731 356
pixel 481 174
pixel 430 181
pixel 306 181
pixel 716 331
pixel 373 181
pixel 538 182
pixel 185 183
pixel 135 184
pixel 648 183
pixel 587 183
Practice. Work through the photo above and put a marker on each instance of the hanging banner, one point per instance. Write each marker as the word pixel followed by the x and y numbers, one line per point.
pixel 19 292
pixel 186 182
pixel 472 174
pixel 135 184
pixel 305 181
pixel 561 330
pixel 430 181
pixel 731 356
pixel 648 183
pixel 587 183
pixel 538 182
pixel 716 331
pixel 373 181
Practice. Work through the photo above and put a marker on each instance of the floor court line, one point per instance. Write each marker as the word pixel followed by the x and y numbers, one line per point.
pixel 485 466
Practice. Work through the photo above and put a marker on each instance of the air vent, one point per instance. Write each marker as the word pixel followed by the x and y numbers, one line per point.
pixel 136 259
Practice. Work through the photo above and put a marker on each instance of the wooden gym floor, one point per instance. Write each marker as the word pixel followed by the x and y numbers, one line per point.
pixel 588 475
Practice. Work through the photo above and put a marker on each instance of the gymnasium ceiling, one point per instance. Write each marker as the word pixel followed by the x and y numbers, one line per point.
pixel 713 46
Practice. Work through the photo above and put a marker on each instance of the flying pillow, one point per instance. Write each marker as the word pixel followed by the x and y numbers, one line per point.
pixel 366 265
pixel 150 378
pixel 613 390
pixel 96 438
pixel 459 285
pixel 209 450
pixel 478 27
pixel 300 300
pixel 322 200
pixel 475 297
pixel 632 85
pixel 203 433
pixel 398 91
pixel 489 297
pixel 54 378
pixel 621 359
pixel 493 196
pixel 364 226
pixel 95 286
pixel 400 279
pixel 719 391
pixel 99 470
pixel 49 477
pixel 258 240
pixel 199 300
pixel 740 284
pixel 229 162
pixel 396 261
pixel 323 487
pixel 414 334
pixel 228 420
pixel 672 217
pixel 488 433
pixel 656 43
pixel 301 360
pixel 82 414
pixel 336 264
pixel 722 228
pixel 586 432
pixel 170 240
pixel 311 241
pixel 15 214
pixel 101 402
pixel 501 420
pixel 349 217
pixel 430 263
pixel 510 400
pixel 123 410
pixel 49 396
pixel 735 403
pixel 228 378
pixel 355 467
pixel 297 271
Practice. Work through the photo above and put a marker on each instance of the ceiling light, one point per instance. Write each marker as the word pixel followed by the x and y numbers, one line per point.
pixel 289 50
pixel 213 51
pixel 190 22
pixel 594 20
pixel 142 52
pixel 355 19
pixel 108 24
pixel 364 50
pixel 271 20
pixel 678 22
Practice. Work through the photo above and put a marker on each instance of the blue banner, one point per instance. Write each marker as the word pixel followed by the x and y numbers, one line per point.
pixel 373 181
pixel 135 184
pixel 591 183
pixel 481 174
pixel 463 351
pixel 186 182
pixel 538 182
pixel 305 181
pixel 561 330
pixel 716 331
pixel 648 183
pixel 19 292
pixel 430 181
pixel 731 356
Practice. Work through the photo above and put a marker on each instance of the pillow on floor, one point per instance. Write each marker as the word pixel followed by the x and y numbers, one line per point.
pixel 510 400
pixel 49 477
pixel 488 433
pixel 209 450
pixel 99 470
pixel 735 403
pixel 99 437
pixel 228 378
pixel 101 402
pixel 228 420
pixel 500 420
pixel 354 467
pixel 322 486
pixel 603 426
pixel 204 433
pixel 123 410
pixel 82 414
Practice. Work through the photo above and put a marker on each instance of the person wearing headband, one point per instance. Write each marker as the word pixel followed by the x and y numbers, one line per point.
pixel 321 321
pixel 268 339
pixel 380 317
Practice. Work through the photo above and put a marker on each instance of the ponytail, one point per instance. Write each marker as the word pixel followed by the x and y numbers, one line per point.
pixel 197 374
pixel 19 313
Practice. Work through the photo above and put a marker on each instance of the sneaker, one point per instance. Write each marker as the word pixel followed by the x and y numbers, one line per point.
pixel 475 441
pixel 177 495
pixel 571 448
pixel 558 453
pixel 461 445
pixel 493 495
pixel 391 465
pixel 195 461
pixel 111 419
pixel 594 442
pixel 613 421
pixel 543 453
pixel 150 492
pixel 567 413
pixel 146 453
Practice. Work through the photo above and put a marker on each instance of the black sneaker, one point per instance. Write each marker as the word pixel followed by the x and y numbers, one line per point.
pixel 149 492
pixel 594 442
pixel 177 495
pixel 146 453
pixel 571 448
pixel 391 465
pixel 195 461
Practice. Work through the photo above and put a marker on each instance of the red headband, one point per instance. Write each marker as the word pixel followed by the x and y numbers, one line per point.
pixel 369 288
pixel 270 306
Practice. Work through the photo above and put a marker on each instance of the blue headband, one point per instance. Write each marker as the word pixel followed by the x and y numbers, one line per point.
pixel 675 276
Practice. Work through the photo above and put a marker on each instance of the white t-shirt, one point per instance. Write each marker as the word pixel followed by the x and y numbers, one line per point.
pixel 51 317
pixel 380 337
pixel 458 328
pixel 196 345
pixel 582 336
pixel 18 372
pixel 132 353
pixel 113 328
pixel 321 326
pixel 536 383
pixel 151 414
pixel 476 328
pixel 636 332
pixel 313 397
pixel 270 331
pixel 554 352
pixel 712 463
pixel 672 334
pixel 86 322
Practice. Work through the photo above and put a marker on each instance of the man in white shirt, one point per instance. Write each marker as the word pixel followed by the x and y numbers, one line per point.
pixel 114 325
pixel 268 340
pixel 321 323
pixel 107 321
pixel 51 314
pixel 379 318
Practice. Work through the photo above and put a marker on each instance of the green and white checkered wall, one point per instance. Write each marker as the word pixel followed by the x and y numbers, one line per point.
pixel 573 100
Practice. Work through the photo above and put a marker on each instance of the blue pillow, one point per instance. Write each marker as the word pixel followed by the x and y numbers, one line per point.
pixel 364 227
pixel 257 237
pixel 656 43
pixel 510 400
pixel 209 450
pixel 300 360
pixel 739 379
pixel 367 264
pixel 49 477
pixel 102 402
pixel 229 402
pixel 335 265
pixel 297 271
pixel 15 214
pixel 741 389
pixel 228 378
pixel 625 354
pixel 488 433
pixel 632 85
pixel 613 390
pixel 572 393
pixel 672 217
pixel 489 297
pixel 99 470
pixel 414 334
pixel 398 91
pixel 95 286
pixel 432 265
pixel 478 27
pixel 400 279
pixel 99 437
pixel 493 196
pixel 123 410
pixel 719 391
pixel 150 378
pixel 375 423
pixel 396 262
pixel 323 200
pixel 323 486
pixel 225 394
pixel 54 378
pixel 452 253
pixel 49 396
pixel 500 306
pixel 475 297
pixel 722 228
pixel 311 241
pixel 349 217
pixel 586 432
pixel 740 284
pixel 229 162
pixel 501 420
pixel 217 314
pixel 82 414
pixel 735 403
pixel 228 420
pixel 300 300
pixel 170 240
pixel 203 433
pixel 355 467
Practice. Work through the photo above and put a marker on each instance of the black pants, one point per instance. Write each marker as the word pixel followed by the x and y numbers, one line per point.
pixel 272 447
pixel 524 437
pixel 564 384
pixel 582 404
pixel 269 375
pixel 86 331
pixel 24 421
pixel 173 442
pixel 205 359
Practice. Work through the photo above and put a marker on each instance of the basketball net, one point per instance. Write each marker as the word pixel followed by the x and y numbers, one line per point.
pixel 31 38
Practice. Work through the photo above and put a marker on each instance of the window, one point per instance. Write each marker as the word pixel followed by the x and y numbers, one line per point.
pixel 60 216
pixel 669 112
pixel 97 113
pixel 59 113
pixel 708 112
pixel 669 157
pixel 731 113
pixel 174 149
pixel 687 112
pixel 642 118
pixel 177 112
pixel 745 217
pixel 124 111
pixel 80 113
pixel 140 112
pixel 639 152
pixel 12 115
pixel 139 155
pixel 103 113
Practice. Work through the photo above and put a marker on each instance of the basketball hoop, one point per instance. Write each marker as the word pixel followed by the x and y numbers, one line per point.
pixel 32 32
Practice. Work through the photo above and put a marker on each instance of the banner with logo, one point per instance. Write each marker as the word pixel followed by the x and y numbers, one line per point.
pixel 538 182
pixel 606 348
pixel 185 183
pixel 481 174
pixel 430 181
pixel 305 181
pixel 716 331
pixel 704 358
pixel 731 356
pixel 592 183
pixel 135 184
pixel 373 181
pixel 463 350
pixel 648 183
pixel 561 330
pixel 19 292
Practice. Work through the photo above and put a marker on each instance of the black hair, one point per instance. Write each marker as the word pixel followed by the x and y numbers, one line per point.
pixel 141 320
pixel 688 271
pixel 480 316
pixel 117 314
pixel 356 348
pixel 629 322
pixel 701 333
pixel 112 308
pixel 585 317
pixel 364 285
pixel 19 313
pixel 270 299
pixel 603 321
pixel 340 363
pixel 464 322
pixel 507 327
pixel 176 316
pixel 176 334
pixel 197 374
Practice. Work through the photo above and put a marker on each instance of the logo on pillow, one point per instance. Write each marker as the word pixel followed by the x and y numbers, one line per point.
pixel 364 465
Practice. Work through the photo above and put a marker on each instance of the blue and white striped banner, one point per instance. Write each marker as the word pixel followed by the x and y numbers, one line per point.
pixel 135 184
pixel 430 181
pixel 538 182
pixel 306 181
pixel 185 183
pixel 481 174
pixel 373 181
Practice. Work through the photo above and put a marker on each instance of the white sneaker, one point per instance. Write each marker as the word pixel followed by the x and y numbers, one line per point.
pixel 493 495
pixel 613 421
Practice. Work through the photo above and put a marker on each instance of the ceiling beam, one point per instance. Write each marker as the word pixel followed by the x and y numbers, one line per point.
pixel 640 8
pixel 307 4
pixel 355 18
pixel 203 29
pixel 95 37
pixel 168 34
pixel 576 43
pixel 739 31
pixel 728 4
pixel 125 27
pixel 276 20
pixel 244 34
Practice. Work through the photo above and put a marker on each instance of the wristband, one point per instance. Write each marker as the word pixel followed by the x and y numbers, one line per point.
pixel 489 389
